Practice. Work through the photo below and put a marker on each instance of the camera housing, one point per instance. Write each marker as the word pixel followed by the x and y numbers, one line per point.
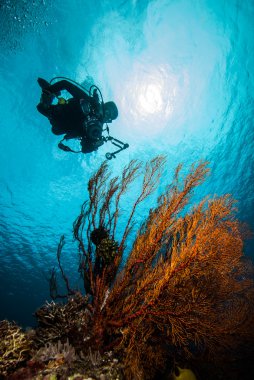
pixel 93 129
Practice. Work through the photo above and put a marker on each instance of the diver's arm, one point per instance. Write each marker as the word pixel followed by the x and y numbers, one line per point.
pixel 75 91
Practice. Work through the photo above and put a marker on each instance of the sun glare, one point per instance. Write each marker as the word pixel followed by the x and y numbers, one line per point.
pixel 148 98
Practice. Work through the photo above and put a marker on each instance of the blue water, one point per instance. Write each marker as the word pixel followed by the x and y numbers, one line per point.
pixel 181 73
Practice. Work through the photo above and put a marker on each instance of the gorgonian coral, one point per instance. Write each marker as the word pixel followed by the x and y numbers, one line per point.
pixel 184 290
pixel 14 347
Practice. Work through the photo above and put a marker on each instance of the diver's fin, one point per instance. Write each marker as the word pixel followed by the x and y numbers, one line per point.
pixel 43 83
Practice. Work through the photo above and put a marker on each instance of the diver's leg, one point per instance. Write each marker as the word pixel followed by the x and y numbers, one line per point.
pixel 44 85
pixel 45 107
pixel 57 130
pixel 74 90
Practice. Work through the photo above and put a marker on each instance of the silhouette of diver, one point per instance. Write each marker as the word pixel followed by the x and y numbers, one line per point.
pixel 81 116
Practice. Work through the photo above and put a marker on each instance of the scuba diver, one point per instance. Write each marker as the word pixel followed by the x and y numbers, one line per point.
pixel 80 117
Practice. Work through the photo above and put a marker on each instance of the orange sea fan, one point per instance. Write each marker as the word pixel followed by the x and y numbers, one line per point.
pixel 185 290
pixel 189 290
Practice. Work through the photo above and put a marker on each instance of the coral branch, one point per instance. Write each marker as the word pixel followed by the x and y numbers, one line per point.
pixel 185 290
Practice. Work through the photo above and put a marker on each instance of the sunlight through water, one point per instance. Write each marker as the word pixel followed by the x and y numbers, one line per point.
pixel 149 99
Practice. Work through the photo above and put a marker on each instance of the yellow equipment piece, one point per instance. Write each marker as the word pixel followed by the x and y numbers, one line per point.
pixel 61 101
pixel 184 374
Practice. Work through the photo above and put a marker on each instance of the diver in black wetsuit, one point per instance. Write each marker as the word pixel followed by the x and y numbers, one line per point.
pixel 81 116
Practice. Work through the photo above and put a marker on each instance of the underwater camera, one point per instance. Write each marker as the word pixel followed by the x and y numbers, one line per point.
pixel 93 129
pixel 92 138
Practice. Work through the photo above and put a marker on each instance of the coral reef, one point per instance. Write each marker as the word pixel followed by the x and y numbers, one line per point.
pixel 59 322
pixel 59 352
pixel 182 295
pixel 184 291
pixel 59 361
pixel 14 347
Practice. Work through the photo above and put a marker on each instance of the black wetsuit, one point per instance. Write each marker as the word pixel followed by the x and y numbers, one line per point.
pixel 68 118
